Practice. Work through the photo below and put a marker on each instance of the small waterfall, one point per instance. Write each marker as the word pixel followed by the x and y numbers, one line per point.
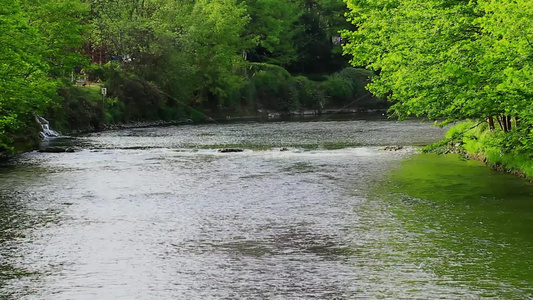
pixel 46 132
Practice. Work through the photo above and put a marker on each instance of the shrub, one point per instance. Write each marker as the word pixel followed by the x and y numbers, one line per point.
pixel 310 93
pixel 339 90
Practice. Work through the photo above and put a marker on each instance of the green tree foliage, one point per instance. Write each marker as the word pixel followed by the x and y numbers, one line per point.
pixel 297 34
pixel 125 26
pixel 449 59
pixel 37 46
pixel 319 25
pixel 189 48
pixel 196 50
pixel 61 29
pixel 274 88
pixel 271 30
pixel 215 28
pixel 422 51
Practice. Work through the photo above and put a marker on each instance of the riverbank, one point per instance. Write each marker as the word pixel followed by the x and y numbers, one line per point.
pixel 31 140
pixel 271 93
pixel 493 147
pixel 266 92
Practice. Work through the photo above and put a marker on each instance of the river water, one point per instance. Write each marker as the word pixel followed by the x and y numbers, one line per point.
pixel 309 210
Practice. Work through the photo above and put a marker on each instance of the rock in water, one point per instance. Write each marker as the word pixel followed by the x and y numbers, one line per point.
pixel 58 149
pixel 230 150
pixel 391 148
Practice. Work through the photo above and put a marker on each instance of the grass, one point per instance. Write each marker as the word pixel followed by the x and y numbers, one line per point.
pixel 90 93
pixel 476 140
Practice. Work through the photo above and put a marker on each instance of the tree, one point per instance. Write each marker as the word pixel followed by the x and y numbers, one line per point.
pixel 508 32
pixel 297 34
pixel 38 43
pixel 200 42
pixel 317 40
pixel 426 55
pixel 271 30
pixel 125 26
pixel 61 27
pixel 450 59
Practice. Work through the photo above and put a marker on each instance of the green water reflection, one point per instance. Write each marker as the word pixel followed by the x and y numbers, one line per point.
pixel 465 223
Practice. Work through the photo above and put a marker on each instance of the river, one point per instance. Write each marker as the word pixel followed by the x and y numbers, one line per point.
pixel 309 210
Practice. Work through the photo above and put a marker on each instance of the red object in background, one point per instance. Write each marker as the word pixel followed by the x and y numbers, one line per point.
pixel 96 53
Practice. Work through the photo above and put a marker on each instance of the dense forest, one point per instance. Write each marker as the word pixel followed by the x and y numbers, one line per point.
pixel 170 60
pixel 453 60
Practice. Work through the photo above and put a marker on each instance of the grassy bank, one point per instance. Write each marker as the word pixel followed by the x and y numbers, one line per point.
pixel 498 149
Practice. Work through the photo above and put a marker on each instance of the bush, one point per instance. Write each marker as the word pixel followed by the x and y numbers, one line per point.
pixel 339 90
pixel 359 78
pixel 141 99
pixel 114 110
pixel 271 85
pixel 310 93
pixel 80 110
pixel 96 72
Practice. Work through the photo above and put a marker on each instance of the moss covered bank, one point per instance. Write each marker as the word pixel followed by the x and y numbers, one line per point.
pixel 495 147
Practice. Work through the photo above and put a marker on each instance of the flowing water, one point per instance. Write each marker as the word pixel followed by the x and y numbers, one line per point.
pixel 309 210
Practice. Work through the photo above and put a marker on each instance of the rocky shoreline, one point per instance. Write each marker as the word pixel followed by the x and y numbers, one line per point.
pixel 142 124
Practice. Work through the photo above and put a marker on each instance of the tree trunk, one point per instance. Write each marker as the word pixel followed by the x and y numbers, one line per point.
pixel 490 120
pixel 509 126
pixel 501 123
